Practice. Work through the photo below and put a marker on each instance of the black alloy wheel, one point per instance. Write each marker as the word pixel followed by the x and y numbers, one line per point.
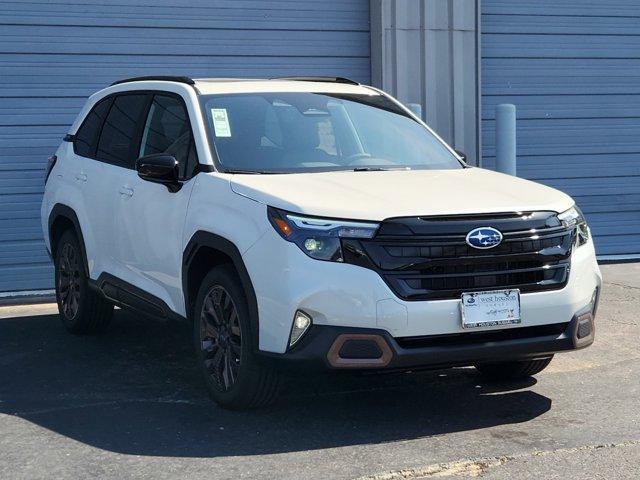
pixel 221 337
pixel 69 278
pixel 83 310
pixel 236 375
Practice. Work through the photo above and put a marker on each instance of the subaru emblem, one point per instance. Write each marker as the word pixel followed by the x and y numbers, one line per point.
pixel 484 237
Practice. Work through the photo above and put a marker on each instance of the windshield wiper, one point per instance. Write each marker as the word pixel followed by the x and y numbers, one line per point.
pixel 250 172
pixel 379 169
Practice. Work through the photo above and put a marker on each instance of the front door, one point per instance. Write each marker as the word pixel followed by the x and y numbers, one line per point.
pixel 150 219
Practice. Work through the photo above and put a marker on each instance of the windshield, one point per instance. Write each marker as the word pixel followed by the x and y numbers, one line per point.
pixel 293 132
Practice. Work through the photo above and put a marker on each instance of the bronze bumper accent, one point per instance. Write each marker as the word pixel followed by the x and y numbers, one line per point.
pixel 336 361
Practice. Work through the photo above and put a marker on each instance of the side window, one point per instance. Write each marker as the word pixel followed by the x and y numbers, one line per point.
pixel 119 130
pixel 167 130
pixel 87 134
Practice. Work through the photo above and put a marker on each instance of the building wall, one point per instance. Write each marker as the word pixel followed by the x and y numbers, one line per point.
pixel 426 52
pixel 571 68
pixel 54 53
pixel 573 71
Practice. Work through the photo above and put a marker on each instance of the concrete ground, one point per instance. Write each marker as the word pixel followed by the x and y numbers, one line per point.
pixel 129 404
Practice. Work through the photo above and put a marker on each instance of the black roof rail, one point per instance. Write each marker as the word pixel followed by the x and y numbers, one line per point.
pixel 166 78
pixel 319 79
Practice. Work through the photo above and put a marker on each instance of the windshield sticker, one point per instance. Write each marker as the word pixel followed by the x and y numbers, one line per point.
pixel 221 122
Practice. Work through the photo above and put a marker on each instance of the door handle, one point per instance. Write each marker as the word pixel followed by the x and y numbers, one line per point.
pixel 81 177
pixel 126 191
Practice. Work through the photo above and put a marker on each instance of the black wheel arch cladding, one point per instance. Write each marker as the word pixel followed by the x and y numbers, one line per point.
pixel 211 241
pixel 66 215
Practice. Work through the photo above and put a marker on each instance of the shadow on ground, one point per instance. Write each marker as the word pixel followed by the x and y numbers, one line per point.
pixel 135 390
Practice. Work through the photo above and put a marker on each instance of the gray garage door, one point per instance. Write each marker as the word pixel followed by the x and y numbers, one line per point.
pixel 572 68
pixel 54 53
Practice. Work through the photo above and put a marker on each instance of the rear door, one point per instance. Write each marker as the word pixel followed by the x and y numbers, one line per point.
pixel 115 154
pixel 149 218
pixel 88 187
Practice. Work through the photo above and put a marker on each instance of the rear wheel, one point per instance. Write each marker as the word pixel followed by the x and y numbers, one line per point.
pixel 82 310
pixel 513 370
pixel 234 375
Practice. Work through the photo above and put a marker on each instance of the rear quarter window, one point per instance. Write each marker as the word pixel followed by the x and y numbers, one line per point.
pixel 86 137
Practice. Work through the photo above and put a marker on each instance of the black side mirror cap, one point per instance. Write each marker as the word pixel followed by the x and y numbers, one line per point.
pixel 462 155
pixel 160 168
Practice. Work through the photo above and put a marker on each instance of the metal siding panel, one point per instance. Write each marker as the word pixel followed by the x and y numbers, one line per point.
pixel 166 42
pixel 572 68
pixel 53 54
pixel 566 106
pixel 563 25
pixel 204 14
pixel 576 166
pixel 571 136
pixel 547 8
pixel 562 76
pixel 560 46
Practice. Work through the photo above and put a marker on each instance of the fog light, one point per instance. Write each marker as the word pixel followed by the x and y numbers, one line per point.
pixel 585 326
pixel 301 323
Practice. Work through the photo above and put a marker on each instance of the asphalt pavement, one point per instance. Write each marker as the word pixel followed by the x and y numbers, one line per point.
pixel 130 404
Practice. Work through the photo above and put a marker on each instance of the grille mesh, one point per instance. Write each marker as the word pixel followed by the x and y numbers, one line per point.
pixel 428 258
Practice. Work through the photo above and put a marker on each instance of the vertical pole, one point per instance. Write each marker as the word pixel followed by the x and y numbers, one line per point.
pixel 506 138
pixel 416 109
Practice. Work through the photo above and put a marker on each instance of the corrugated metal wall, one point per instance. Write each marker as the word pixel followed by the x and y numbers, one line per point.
pixel 572 68
pixel 426 52
pixel 54 53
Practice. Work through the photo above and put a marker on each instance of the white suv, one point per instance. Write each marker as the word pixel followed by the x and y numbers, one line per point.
pixel 309 222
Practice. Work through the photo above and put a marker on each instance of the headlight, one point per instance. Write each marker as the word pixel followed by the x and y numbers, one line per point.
pixel 574 218
pixel 318 237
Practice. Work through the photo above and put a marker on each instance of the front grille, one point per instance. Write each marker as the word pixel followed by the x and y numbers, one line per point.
pixel 428 257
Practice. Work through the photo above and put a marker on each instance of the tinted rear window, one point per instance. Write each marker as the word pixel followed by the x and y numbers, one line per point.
pixel 119 130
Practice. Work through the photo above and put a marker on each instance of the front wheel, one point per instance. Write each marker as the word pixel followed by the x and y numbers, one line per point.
pixel 513 370
pixel 234 375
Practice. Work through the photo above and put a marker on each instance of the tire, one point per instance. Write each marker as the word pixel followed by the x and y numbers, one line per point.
pixel 82 309
pixel 513 370
pixel 235 376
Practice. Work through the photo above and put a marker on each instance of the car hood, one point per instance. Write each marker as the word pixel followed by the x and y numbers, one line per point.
pixel 387 194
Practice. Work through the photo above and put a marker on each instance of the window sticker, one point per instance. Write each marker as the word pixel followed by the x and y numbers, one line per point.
pixel 221 122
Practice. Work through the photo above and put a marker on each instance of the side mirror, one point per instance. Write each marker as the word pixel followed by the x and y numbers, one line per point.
pixel 160 168
pixel 462 155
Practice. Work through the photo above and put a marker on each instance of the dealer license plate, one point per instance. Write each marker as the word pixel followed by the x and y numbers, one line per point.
pixel 488 309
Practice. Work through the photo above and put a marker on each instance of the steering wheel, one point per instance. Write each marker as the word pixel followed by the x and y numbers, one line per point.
pixel 356 158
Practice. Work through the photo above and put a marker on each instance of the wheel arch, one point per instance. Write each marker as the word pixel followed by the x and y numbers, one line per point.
pixel 62 218
pixel 206 250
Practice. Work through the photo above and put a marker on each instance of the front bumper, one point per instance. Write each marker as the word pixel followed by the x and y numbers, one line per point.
pixel 340 295
pixel 327 347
